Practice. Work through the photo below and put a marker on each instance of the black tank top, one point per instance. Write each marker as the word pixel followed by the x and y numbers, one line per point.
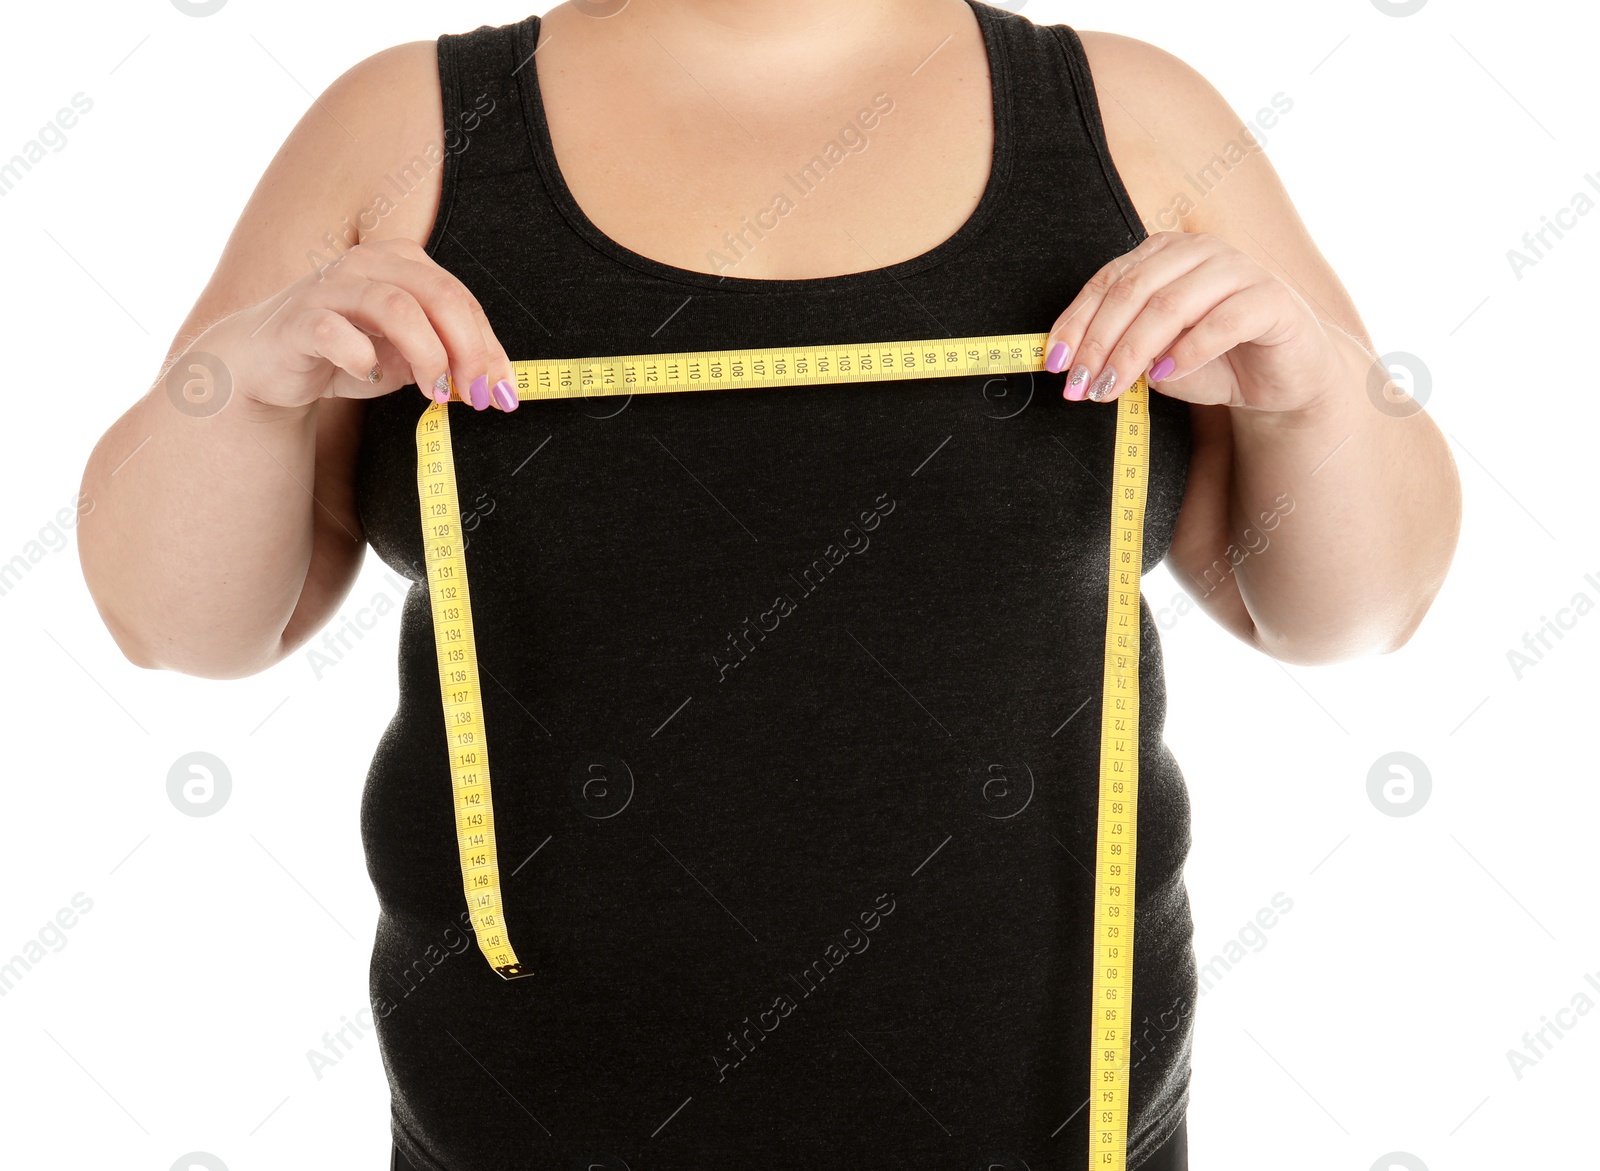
pixel 793 696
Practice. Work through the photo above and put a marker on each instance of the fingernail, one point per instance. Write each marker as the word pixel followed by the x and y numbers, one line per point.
pixel 1161 369
pixel 1057 361
pixel 1101 390
pixel 1076 381
pixel 375 375
pixel 504 397
pixel 441 389
pixel 479 391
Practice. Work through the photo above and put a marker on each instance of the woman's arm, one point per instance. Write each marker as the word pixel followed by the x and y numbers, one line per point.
pixel 1316 534
pixel 220 542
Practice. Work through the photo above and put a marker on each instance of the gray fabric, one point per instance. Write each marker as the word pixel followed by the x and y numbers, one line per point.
pixel 791 695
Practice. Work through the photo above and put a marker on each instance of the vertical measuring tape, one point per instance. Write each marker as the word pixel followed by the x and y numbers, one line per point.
pixel 457 651
pixel 467 741
pixel 1111 1028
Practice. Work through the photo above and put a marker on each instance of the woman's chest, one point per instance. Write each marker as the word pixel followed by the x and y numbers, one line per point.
pixel 845 167
pixel 908 492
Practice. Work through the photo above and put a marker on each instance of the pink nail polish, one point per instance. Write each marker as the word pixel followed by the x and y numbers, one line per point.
pixel 480 392
pixel 1057 360
pixel 1161 369
pixel 504 396
pixel 1077 382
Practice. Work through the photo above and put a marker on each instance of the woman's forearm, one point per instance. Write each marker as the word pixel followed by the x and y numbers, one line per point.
pixel 201 532
pixel 1364 509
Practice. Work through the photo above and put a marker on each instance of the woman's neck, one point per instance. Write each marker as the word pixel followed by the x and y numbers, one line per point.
pixel 735 25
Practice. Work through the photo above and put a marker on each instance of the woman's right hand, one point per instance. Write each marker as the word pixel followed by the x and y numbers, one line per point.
pixel 383 305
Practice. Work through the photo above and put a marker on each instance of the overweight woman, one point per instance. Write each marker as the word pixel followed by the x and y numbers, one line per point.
pixel 794 693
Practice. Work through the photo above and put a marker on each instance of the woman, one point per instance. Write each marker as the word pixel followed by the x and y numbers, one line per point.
pixel 793 693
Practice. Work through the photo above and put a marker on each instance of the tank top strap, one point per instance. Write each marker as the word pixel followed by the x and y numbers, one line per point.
pixel 1087 104
pixel 481 73
pixel 1066 176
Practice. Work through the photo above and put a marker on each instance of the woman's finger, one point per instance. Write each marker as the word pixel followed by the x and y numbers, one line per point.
pixel 1166 312
pixel 475 362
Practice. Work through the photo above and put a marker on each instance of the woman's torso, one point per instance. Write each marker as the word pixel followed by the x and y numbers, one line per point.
pixel 758 665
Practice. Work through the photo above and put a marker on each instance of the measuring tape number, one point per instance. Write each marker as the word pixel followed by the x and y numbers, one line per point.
pixel 1116 829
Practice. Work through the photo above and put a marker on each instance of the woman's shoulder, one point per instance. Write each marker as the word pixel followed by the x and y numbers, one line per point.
pixel 392 89
pixel 1164 124
pixel 324 190
pixel 395 127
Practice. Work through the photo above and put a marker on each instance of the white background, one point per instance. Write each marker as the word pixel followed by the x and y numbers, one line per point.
pixel 1376 1016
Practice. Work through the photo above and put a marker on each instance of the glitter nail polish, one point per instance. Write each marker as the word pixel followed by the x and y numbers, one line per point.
pixel 1076 381
pixel 1101 390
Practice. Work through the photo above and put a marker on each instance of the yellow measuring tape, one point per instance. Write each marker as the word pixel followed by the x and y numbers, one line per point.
pixel 1112 991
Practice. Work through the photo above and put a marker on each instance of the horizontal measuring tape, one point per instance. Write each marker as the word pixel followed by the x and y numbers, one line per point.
pixel 467 740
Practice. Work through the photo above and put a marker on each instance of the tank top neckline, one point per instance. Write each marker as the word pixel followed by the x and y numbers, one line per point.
pixel 993 192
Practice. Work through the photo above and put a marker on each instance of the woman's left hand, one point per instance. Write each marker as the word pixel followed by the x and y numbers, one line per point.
pixel 1205 319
